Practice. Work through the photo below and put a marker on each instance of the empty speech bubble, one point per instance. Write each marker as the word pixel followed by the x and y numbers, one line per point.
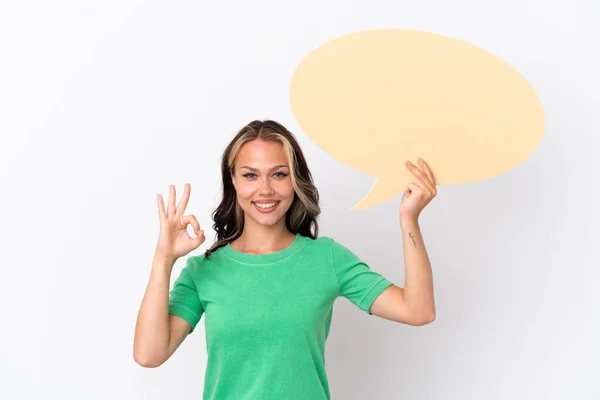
pixel 374 99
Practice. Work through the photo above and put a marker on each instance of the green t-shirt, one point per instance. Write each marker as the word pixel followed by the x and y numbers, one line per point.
pixel 268 315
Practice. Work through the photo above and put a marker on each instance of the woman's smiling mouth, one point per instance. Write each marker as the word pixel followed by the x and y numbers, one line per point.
pixel 266 208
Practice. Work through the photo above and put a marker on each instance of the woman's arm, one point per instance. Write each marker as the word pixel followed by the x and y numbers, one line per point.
pixel 414 304
pixel 418 282
pixel 158 334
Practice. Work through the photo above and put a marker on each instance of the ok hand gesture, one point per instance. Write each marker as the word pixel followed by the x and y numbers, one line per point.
pixel 174 240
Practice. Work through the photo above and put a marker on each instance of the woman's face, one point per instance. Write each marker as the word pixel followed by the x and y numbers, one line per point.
pixel 262 177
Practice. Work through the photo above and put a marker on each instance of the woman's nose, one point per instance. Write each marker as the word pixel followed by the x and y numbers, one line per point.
pixel 266 186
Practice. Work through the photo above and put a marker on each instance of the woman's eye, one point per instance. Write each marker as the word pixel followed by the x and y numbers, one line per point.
pixel 251 175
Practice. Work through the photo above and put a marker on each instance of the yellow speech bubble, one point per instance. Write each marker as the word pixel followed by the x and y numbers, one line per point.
pixel 374 99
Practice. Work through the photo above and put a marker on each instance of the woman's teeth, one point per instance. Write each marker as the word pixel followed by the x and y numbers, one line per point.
pixel 266 205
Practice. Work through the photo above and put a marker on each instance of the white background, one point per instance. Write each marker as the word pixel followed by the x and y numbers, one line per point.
pixel 104 104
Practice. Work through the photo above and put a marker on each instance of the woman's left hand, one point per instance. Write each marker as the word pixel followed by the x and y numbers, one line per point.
pixel 419 192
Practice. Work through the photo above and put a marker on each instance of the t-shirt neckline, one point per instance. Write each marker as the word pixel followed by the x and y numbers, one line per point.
pixel 264 258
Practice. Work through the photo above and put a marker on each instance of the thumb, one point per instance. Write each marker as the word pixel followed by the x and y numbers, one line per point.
pixel 199 239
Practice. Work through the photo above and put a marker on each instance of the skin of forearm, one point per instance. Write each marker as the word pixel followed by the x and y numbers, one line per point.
pixel 418 283
pixel 152 331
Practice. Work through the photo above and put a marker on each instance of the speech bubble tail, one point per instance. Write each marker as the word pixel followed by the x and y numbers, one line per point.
pixel 384 189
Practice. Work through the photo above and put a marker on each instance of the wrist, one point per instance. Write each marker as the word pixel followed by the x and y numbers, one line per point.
pixel 163 260
pixel 409 219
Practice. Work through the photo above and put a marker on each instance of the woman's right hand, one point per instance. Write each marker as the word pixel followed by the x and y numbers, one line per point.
pixel 174 240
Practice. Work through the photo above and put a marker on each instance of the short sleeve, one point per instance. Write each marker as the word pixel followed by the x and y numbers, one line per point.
pixel 183 298
pixel 357 282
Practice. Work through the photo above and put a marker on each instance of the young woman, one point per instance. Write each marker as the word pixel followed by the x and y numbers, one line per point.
pixel 268 284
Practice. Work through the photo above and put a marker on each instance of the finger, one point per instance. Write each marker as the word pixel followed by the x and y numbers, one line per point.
pixel 420 175
pixel 427 171
pixel 198 240
pixel 413 188
pixel 191 219
pixel 162 214
pixel 171 207
pixel 421 185
pixel 184 199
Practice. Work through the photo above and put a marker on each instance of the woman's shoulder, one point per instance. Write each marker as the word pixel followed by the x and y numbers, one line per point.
pixel 200 261
pixel 330 244
pixel 320 243
pixel 325 240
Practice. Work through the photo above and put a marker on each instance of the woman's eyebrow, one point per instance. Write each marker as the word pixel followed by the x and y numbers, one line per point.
pixel 256 169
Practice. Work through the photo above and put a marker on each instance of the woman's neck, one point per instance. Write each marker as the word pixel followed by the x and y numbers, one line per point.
pixel 268 242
